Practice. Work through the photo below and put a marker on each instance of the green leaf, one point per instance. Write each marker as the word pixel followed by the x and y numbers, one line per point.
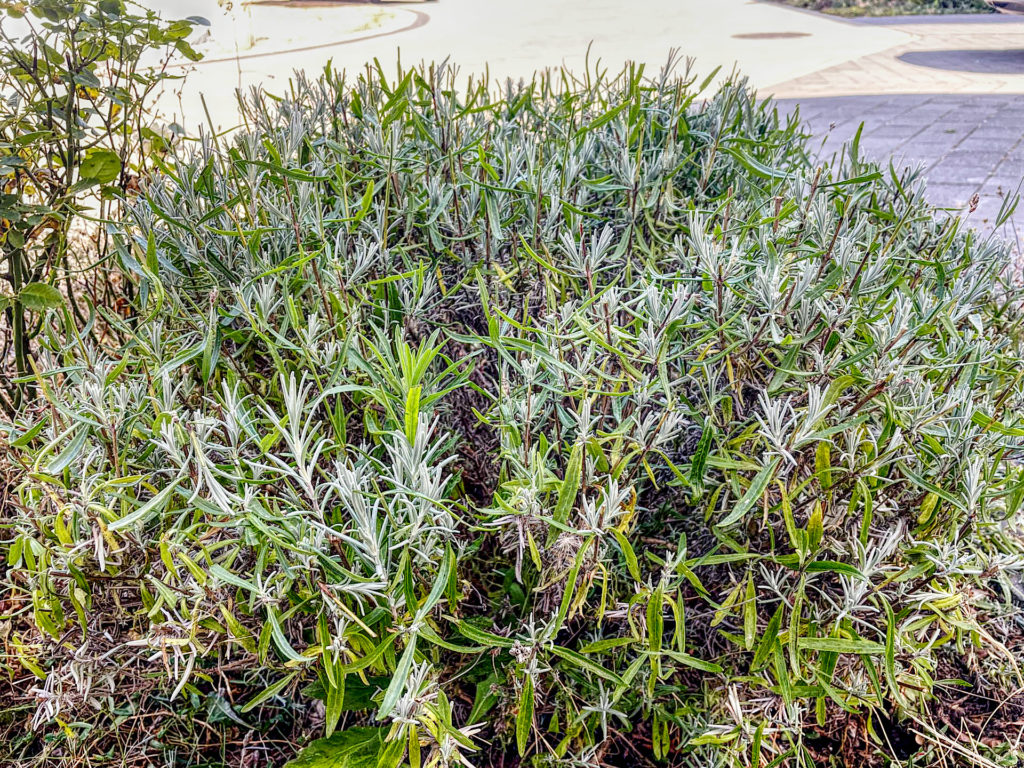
pixel 750 614
pixel 485 698
pixel 100 166
pixel 890 654
pixel 700 455
pixel 270 691
pixel 839 645
pixel 831 566
pixel 570 484
pixel 238 630
pixel 70 452
pixel 334 704
pixel 351 748
pixel 754 166
pixel 478 635
pixel 815 529
pixel 277 634
pixel 412 413
pixel 584 663
pixel 29 435
pixel 768 640
pixel 364 205
pixel 655 619
pixel 440 582
pixel 632 565
pixel 398 680
pixel 211 346
pixel 753 494
pixel 151 507
pixel 693 661
pixel 604 119
pixel 599 646
pixel 40 297
pixel 358 696
pixel 223 574
pixel 371 657
pixel 823 464
pixel 427 633
pixel 524 718
pixel 987 422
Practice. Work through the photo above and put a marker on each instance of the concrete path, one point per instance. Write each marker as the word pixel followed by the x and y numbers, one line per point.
pixel 769 43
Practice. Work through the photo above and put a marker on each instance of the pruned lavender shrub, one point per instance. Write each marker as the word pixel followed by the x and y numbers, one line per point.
pixel 581 421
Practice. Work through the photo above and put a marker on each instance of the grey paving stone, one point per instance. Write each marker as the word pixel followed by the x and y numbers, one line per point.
pixel 931 105
pixel 960 121
pixel 896 132
pixel 953 99
pixel 944 172
pixel 987 160
pixel 987 145
pixel 950 195
pixel 879 145
pixel 1006 181
pixel 881 112
pixel 1008 116
pixel 940 134
pixel 932 147
pixel 926 115
pixel 967 144
pixel 909 120
pixel 995 130
pixel 914 160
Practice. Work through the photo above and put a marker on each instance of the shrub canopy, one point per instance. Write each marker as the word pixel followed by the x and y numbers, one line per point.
pixel 892 7
pixel 579 421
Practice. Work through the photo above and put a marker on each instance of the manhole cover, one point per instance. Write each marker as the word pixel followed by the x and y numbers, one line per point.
pixel 771 35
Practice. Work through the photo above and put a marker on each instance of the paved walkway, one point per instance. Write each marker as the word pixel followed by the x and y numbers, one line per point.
pixel 948 98
pixel 769 43
pixel 968 53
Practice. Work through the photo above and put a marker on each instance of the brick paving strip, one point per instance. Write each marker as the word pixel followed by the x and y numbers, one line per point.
pixel 950 100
